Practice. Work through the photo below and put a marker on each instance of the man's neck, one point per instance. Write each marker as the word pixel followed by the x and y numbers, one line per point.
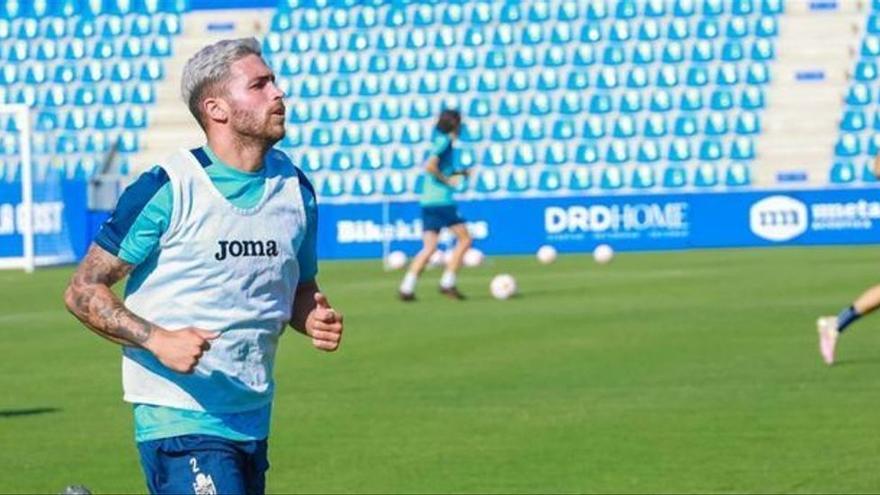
pixel 247 157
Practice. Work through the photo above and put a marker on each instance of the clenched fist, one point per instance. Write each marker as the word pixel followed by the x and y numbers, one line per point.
pixel 180 350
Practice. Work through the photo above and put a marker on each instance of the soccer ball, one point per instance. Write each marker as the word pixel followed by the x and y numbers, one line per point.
pixel 437 259
pixel 603 254
pixel 503 286
pixel 395 260
pixel 546 254
pixel 473 257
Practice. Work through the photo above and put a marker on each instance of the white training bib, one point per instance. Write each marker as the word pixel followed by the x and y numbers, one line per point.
pixel 219 268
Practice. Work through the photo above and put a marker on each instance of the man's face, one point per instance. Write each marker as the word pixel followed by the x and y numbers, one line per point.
pixel 256 104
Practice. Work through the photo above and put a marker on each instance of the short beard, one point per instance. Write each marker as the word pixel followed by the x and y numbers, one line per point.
pixel 252 132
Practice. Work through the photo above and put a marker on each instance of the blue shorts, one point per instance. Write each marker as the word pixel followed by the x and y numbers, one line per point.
pixel 435 218
pixel 204 464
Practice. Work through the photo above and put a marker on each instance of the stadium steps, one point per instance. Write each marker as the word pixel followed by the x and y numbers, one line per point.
pixel 801 124
pixel 172 126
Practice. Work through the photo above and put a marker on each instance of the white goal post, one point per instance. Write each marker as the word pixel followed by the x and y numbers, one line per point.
pixel 23 217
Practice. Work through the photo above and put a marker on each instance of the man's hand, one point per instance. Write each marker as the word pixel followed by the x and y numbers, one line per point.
pixel 180 350
pixel 324 325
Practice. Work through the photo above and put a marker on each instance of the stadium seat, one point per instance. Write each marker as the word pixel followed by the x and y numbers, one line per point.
pixel 371 160
pixel 686 125
pixel 715 124
pixel 742 148
pixel 643 177
pixel 510 106
pixel 587 153
pixel 594 127
pixel 518 180
pixel 502 131
pixel 843 172
pixel 748 123
pixel 703 51
pixel 556 154
pixel 655 126
pixel 487 181
pixel 679 150
pixel 332 186
pixel 341 161
pixel 549 180
pixel 611 178
pixel 853 121
pixel 691 100
pixel 579 179
pixel 624 127
pixel 705 175
pixel 540 105
pixel 563 130
pixel 649 152
pixel 601 103
pixel 752 98
pixel 493 156
pixel 737 174
pixel 661 101
pixel 674 177
pixel 859 94
pixel 570 104
pixel 617 152
pixel 710 150
pixel 524 155
pixel 577 81
pixel 352 135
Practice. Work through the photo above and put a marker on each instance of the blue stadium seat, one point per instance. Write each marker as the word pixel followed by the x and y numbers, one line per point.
pixel 679 150
pixel 321 137
pixel 601 103
pixel 510 106
pixel 742 148
pixel 611 178
pixel 380 135
pixel 352 135
pixel 570 104
pixel 705 175
pixel 312 161
pixel 518 81
pixel 465 60
pixel 715 124
pixel 859 94
pixel 673 53
pixel 607 78
pixel 686 125
pixel 853 121
pixel 52 96
pixel 75 50
pixel 643 53
pixel 479 107
pixel 488 82
pixel 563 130
pixel 341 161
pixel 842 172
pixel 533 130
pixel 549 180
pixel 402 159
pixel 587 153
pixel 518 180
pixel 619 32
pixel 458 83
pixel 493 156
pixel 667 76
pixel 561 35
pixel 772 7
pixel 369 86
pixel 748 123
pixel 762 50
pixel 710 150
pixel 556 154
pixel 330 111
pixel 722 99
pixel 128 142
pixel 648 152
pixel 678 29
pixel 366 18
pixel 494 60
pixel 359 111
pixel 524 155
pixel 540 105
pixel 390 110
pixel 584 56
pixel 547 80
pixel 865 71
pixel 332 186
pixel 752 98
pixel 429 84
pixel 655 126
pixel 691 100
pixel 737 174
pixel 597 10
pixel 868 173
pixel 674 177
pixel 732 51
pixel 643 177
pixel 591 32
pixel 577 81
pixel 502 36
pixel 737 28
pixel 471 131
pixel 134 117
pixel 594 127
pixel 874 144
pixel 533 34
pixel 394 184
pixel 697 76
pixel 292 138
pixel 617 152
pixel 758 73
pixel 121 71
pixel 661 101
pixel 766 27
pixel 703 51
pixel 708 29
pixel 624 127
pixel 487 181
pixel 502 131
pixel 637 78
pixel 579 179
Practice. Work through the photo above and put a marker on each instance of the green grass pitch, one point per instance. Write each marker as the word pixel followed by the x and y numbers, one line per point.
pixel 661 372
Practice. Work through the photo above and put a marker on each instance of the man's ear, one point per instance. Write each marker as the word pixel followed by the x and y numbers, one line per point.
pixel 216 109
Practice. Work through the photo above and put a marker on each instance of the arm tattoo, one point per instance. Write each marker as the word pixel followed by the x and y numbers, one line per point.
pixel 90 299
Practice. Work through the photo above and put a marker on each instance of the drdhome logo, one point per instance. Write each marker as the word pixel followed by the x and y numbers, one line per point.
pixel 778 218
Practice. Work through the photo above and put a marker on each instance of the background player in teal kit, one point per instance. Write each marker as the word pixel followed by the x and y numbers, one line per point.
pixel 219 245
pixel 439 210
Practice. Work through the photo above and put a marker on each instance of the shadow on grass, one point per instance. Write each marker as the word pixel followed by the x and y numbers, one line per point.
pixel 12 413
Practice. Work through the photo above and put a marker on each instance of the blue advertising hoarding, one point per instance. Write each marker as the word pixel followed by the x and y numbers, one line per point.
pixel 64 226
pixel 628 223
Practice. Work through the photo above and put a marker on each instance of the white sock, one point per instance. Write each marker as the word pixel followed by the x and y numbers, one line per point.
pixel 408 286
pixel 447 281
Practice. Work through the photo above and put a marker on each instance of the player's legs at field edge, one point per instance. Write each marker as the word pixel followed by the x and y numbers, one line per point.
pixel 830 327
pixel 418 264
pixel 463 243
